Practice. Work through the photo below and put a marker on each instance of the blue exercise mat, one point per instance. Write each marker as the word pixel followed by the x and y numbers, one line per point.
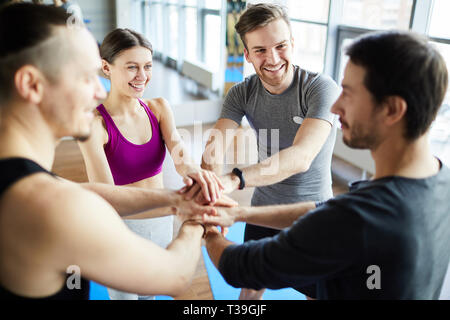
pixel 223 291
pixel 99 292
pixel 220 289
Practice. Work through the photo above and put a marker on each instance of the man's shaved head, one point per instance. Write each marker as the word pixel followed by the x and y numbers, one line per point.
pixel 39 42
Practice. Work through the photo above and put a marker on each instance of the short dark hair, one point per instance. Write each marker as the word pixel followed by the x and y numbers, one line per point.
pixel 120 40
pixel 24 27
pixel 405 64
pixel 259 15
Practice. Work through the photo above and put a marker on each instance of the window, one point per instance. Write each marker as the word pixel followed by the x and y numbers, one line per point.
pixel 173 32
pixel 439 25
pixel 307 10
pixel 309 21
pixel 212 39
pixel 153 32
pixel 377 14
pixel 213 4
pixel 184 30
pixel 309 45
pixel 191 34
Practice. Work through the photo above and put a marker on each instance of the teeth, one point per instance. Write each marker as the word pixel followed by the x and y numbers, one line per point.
pixel 140 86
pixel 273 69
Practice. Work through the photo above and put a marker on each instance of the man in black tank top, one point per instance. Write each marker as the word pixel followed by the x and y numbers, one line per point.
pixel 54 234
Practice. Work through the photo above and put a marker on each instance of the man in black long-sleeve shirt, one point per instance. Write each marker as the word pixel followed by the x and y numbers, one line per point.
pixel 387 238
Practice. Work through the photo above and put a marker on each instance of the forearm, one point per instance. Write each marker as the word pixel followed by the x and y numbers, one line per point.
pixel 186 250
pixel 182 161
pixel 215 167
pixel 213 156
pixel 277 168
pixel 215 244
pixel 131 200
pixel 153 213
pixel 276 217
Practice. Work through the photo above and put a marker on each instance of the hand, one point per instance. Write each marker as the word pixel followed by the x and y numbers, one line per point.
pixel 199 179
pixel 226 201
pixel 213 230
pixel 188 208
pixel 223 201
pixel 224 217
pixel 229 181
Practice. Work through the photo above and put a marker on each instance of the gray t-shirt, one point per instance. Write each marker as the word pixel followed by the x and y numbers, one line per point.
pixel 310 95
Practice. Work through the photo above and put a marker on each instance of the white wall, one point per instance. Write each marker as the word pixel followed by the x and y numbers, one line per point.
pixel 127 15
pixel 102 16
pixel 101 13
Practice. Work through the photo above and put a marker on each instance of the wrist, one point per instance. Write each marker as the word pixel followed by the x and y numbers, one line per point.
pixel 175 201
pixel 210 234
pixel 189 168
pixel 195 223
pixel 240 176
pixel 240 213
pixel 234 181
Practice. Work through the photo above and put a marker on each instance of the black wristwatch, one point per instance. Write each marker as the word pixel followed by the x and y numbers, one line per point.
pixel 240 175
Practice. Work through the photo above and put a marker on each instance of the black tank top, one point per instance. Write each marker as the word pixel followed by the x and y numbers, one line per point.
pixel 11 171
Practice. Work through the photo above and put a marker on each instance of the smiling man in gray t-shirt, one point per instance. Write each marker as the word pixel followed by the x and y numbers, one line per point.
pixel 289 109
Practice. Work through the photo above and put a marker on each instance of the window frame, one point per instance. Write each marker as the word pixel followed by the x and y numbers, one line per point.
pixel 164 54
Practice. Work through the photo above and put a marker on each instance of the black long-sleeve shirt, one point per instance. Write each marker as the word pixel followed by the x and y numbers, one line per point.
pixel 395 230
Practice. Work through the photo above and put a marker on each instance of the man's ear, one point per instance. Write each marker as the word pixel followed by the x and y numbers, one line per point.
pixel 396 108
pixel 246 55
pixel 29 83
pixel 105 68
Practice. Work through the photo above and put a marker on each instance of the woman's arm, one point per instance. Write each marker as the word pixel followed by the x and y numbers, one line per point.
pixel 97 167
pixel 99 175
pixel 186 167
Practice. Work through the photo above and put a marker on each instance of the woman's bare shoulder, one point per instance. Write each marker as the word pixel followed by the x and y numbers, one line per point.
pixel 158 106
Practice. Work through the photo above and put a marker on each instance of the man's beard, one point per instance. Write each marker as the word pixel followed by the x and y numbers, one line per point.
pixel 361 139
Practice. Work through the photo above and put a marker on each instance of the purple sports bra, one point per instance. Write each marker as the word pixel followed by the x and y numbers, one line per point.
pixel 130 162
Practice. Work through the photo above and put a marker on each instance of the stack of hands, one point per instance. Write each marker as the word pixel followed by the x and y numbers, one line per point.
pixel 205 201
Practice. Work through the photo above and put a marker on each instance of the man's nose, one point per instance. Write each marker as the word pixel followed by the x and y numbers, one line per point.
pixel 336 108
pixel 273 57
